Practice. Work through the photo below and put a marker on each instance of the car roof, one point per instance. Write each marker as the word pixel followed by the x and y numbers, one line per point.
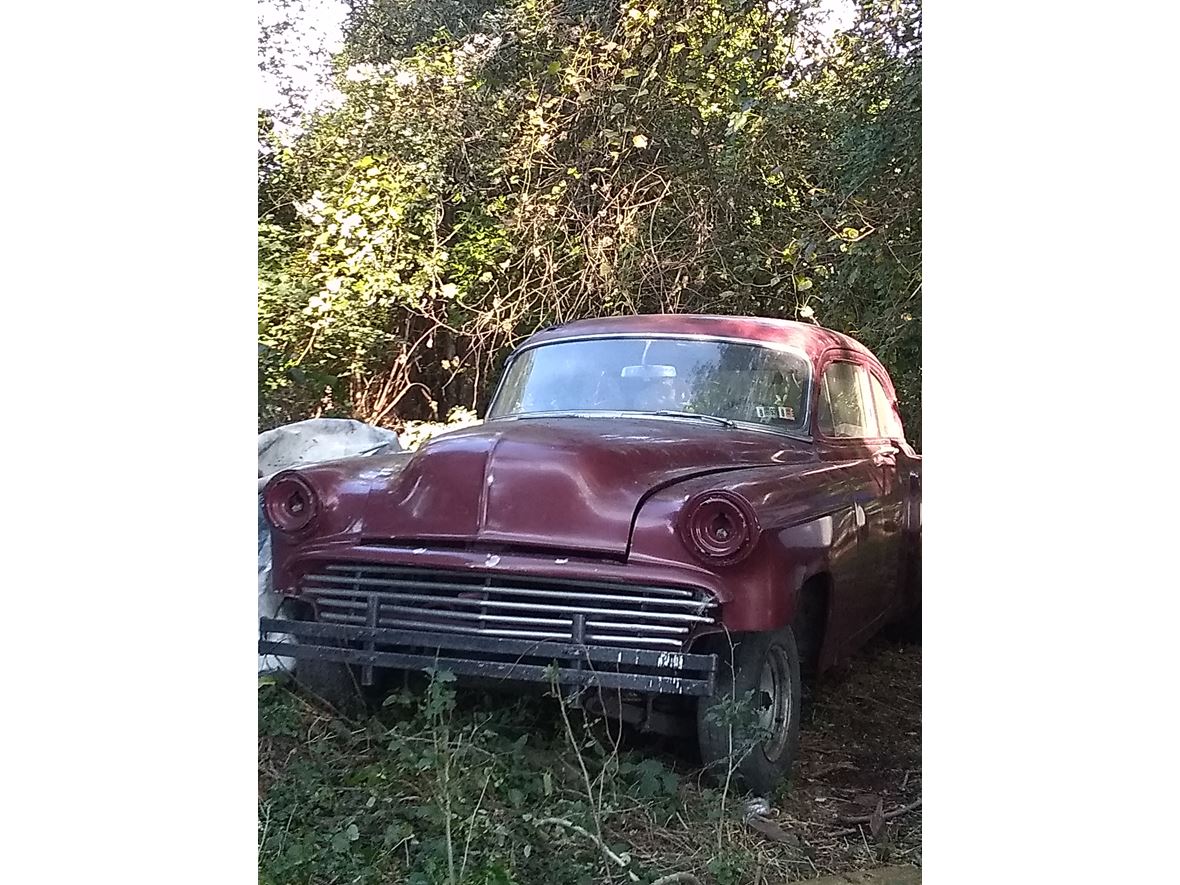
pixel 811 339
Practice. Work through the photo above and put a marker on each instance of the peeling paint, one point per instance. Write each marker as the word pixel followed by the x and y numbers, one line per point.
pixel 671 660
pixel 492 560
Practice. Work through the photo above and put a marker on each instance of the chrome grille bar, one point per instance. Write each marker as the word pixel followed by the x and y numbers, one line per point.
pixel 507 606
pixel 440 579
pixel 629 640
pixel 349 581
pixel 566 624
pixel 548 608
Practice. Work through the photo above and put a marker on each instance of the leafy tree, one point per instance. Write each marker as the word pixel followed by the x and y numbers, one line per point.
pixel 495 166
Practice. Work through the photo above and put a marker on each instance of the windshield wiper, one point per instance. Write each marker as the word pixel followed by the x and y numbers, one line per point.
pixel 724 422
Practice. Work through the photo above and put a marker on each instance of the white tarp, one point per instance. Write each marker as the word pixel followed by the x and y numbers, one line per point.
pixel 297 445
pixel 319 439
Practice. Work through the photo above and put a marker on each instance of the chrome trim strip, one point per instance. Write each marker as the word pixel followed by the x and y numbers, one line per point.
pixel 470 630
pixel 350 582
pixel 476 579
pixel 521 620
pixel 543 607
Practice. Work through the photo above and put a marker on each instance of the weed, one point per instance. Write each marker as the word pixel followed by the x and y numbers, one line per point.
pixel 450 786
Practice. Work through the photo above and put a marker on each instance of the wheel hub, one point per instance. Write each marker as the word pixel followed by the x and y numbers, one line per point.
pixel 774 702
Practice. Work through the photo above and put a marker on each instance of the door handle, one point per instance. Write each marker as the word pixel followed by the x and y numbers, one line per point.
pixel 886 455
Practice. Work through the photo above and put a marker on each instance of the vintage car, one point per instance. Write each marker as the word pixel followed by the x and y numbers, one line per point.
pixel 664 514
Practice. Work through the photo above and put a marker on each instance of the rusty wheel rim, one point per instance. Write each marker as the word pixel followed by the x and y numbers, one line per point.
pixel 774 702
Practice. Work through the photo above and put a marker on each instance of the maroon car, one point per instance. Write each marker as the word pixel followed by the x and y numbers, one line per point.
pixel 664 514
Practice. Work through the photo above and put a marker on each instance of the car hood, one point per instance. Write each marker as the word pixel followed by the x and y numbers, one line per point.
pixel 554 483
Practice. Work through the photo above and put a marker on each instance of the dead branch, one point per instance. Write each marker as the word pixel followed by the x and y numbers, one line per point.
pixel 869 818
pixel 562 822
pixel 683 878
pixel 889 815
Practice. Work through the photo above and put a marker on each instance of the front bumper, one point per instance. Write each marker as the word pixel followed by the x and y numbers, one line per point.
pixel 520 660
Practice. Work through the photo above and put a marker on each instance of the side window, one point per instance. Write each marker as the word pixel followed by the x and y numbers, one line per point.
pixel 844 410
pixel 887 420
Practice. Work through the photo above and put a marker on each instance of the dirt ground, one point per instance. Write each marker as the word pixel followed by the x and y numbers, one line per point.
pixel 855 799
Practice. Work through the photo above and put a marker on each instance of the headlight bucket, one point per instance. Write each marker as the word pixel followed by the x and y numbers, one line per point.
pixel 291 504
pixel 719 527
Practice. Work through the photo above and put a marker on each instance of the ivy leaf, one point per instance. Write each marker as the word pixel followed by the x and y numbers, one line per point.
pixel 342 839
pixel 395 833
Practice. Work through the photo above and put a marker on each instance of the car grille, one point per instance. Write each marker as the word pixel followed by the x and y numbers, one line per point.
pixel 511 607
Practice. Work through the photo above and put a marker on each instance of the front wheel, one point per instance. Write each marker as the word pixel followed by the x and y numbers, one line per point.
pixel 750 725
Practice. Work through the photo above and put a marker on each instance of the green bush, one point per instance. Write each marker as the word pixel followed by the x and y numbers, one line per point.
pixel 494 168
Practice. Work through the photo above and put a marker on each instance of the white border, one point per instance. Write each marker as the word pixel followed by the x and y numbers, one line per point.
pixel 129 361
pixel 1049 295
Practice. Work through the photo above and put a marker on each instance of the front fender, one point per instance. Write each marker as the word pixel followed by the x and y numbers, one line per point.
pixel 762 591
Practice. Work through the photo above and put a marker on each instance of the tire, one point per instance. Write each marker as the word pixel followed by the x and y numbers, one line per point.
pixel 765 668
pixel 808 629
pixel 908 628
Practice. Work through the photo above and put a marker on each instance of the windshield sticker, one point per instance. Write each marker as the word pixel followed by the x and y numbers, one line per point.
pixel 783 413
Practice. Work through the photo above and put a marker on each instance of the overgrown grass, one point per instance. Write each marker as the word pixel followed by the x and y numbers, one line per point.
pixel 374 801
pixel 467 788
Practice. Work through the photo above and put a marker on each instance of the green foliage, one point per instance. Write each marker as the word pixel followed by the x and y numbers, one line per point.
pixel 417 432
pixel 739 716
pixel 442 787
pixel 495 167
pixel 729 867
pixel 403 799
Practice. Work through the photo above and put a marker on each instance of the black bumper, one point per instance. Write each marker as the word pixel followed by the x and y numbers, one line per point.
pixel 521 660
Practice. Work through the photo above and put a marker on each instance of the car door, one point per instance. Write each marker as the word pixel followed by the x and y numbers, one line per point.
pixel 847 434
pixel 901 474
pixel 887 452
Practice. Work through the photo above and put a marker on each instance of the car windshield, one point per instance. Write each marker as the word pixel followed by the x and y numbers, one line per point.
pixel 734 381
